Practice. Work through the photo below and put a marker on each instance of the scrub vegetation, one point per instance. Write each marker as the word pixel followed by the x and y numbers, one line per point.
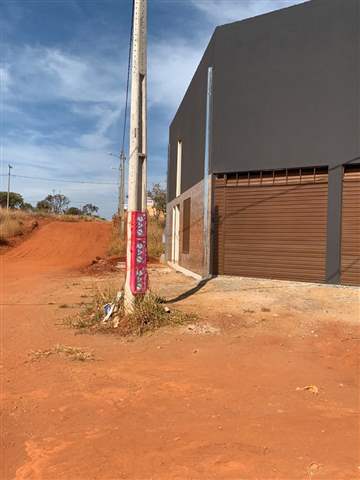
pixel 74 353
pixel 149 314
pixel 12 224
pixel 156 226
pixel 17 222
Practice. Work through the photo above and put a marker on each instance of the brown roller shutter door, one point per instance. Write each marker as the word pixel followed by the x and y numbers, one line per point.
pixel 272 225
pixel 350 241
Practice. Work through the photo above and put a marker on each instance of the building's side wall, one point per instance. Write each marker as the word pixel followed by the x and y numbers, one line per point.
pixel 189 126
pixel 287 88
pixel 194 260
pixel 286 95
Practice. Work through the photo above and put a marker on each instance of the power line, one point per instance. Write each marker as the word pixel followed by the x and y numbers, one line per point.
pixel 61 180
pixel 128 77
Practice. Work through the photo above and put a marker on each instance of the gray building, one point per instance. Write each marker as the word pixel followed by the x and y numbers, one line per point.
pixel 264 154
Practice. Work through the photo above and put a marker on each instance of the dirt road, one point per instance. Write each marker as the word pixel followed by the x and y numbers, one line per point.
pixel 222 401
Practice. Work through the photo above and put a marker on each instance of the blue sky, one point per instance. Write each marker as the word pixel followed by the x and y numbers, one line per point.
pixel 62 86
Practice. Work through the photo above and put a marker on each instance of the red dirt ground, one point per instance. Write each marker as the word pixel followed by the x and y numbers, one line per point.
pixel 171 405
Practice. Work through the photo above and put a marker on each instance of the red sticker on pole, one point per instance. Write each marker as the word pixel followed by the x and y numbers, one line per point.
pixel 138 252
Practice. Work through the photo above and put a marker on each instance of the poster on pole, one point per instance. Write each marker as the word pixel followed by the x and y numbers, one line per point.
pixel 138 252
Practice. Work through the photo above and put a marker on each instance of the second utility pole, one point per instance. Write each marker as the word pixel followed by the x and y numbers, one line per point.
pixel 121 207
pixel 136 252
pixel 8 189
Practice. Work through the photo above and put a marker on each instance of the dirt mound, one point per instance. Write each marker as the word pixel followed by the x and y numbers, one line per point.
pixel 61 245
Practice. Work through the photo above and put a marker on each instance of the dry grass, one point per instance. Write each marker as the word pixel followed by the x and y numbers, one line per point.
pixel 117 246
pixel 149 314
pixel 15 222
pixel 75 218
pixel 92 313
pixel 155 237
pixel 74 353
pixel 12 223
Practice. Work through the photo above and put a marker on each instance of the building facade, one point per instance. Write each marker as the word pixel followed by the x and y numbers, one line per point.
pixel 264 150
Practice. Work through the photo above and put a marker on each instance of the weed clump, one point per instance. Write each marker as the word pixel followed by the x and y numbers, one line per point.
pixel 74 353
pixel 148 315
pixel 155 227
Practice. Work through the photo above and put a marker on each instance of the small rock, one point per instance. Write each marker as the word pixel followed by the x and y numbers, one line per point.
pixel 167 309
pixel 313 467
pixel 195 351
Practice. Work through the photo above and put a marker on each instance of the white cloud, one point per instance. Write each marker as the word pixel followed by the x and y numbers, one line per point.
pixel 219 12
pixel 46 74
pixel 171 67
pixel 91 87
pixel 62 162
pixel 5 79
pixel 99 139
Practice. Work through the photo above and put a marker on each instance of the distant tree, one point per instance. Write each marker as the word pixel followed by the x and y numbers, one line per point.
pixel 56 203
pixel 73 211
pixel 43 205
pixel 158 196
pixel 89 209
pixel 27 206
pixel 15 200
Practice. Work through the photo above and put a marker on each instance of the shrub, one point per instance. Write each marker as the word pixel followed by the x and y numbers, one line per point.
pixel 149 314
pixel 117 245
pixel 11 224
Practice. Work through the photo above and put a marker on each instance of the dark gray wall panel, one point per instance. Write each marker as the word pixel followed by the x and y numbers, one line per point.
pixel 287 88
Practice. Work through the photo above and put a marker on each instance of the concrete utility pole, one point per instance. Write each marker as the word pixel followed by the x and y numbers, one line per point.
pixel 8 189
pixel 136 271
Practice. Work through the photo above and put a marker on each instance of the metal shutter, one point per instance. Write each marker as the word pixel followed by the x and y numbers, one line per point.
pixel 350 241
pixel 272 224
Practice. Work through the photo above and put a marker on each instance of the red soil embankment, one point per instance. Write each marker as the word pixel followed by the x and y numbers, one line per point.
pixel 60 245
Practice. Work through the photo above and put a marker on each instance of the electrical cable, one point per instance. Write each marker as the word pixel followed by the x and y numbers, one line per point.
pixel 128 77
pixel 60 180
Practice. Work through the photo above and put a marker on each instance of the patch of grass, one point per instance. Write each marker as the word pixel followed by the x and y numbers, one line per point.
pixel 149 314
pixel 74 353
pixel 92 313
pixel 117 245
pixel 155 237
pixel 11 224
pixel 14 222
pixel 76 218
